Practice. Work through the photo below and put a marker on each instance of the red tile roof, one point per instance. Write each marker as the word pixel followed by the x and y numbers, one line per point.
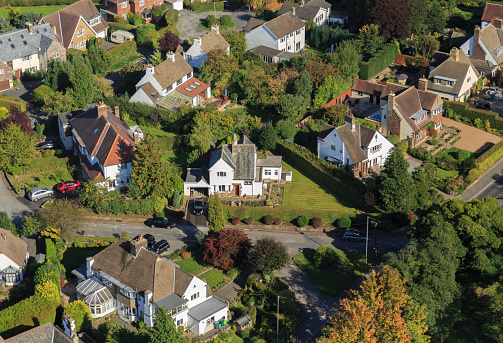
pixel 193 87
pixel 491 12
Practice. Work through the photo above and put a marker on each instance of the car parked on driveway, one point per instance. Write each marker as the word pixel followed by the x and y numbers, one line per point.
pixel 483 105
pixel 66 186
pixel 353 236
pixel 198 206
pixel 150 239
pixel 160 247
pixel 47 145
pixel 161 222
pixel 39 193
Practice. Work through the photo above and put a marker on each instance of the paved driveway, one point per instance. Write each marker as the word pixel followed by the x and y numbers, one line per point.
pixel 472 139
pixel 8 203
pixel 188 21
pixel 24 91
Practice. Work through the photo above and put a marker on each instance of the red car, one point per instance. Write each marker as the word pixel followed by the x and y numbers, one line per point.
pixel 65 186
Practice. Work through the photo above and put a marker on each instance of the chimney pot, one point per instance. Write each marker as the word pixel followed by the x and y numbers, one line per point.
pixel 293 10
pixel 170 55
pixel 215 28
pixel 102 109
pixel 497 23
pixel 136 245
pixel 116 111
pixel 422 84
pixel 29 26
pixel 234 149
pixel 454 54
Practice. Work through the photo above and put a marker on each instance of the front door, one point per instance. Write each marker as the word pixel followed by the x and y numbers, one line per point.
pixel 236 190
pixel 371 98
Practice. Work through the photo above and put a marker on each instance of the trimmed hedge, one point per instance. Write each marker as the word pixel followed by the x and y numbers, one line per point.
pixel 378 63
pixel 12 103
pixel 122 51
pixel 462 109
pixel 50 249
pixel 327 175
pixel 487 159
pixel 200 7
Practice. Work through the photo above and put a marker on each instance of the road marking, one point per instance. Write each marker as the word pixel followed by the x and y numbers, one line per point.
pixel 486 187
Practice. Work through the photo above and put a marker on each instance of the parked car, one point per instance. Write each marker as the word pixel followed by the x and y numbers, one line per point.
pixel 354 236
pixel 160 222
pixel 160 246
pixel 150 239
pixel 483 105
pixel 47 145
pixel 198 206
pixel 39 193
pixel 66 186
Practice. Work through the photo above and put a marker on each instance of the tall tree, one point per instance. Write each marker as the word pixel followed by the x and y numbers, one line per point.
pixel 334 115
pixel 268 255
pixel 6 223
pixel 216 219
pixel 370 40
pixel 392 17
pixel 303 86
pixel 82 81
pixel 5 26
pixel 397 188
pixel 99 59
pixel 164 329
pixel 437 17
pixel 169 42
pixel 19 119
pixel 226 248
pixel 201 135
pixel 237 41
pixel 27 17
pixel 427 45
pixel 268 138
pixel 380 311
pixel 219 68
pixel 292 107
pixel 16 146
pixel 418 16
pixel 156 58
pixel 58 102
pixel 346 58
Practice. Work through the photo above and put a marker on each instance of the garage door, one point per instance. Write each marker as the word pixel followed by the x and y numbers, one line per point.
pixel 4 85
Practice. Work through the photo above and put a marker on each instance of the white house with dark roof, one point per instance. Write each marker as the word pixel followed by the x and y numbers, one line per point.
pixel 30 48
pixel 127 278
pixel 198 52
pixel 284 33
pixel 316 10
pixel 354 145
pixel 13 258
pixel 171 84
pixel 233 169
pixel 45 333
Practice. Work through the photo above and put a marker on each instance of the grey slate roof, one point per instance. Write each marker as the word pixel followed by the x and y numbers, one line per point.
pixel 304 12
pixel 270 161
pixel 197 174
pixel 242 161
pixel 270 52
pixel 46 333
pixel 243 320
pixel 206 308
pixel 171 301
pixel 20 43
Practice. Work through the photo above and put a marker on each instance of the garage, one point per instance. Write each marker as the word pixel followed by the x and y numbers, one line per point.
pixel 199 192
pixel 4 85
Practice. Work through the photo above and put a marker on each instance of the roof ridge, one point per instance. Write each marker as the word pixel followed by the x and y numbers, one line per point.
pixel 100 139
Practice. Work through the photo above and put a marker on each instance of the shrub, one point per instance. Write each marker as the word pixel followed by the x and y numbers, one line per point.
pixel 134 19
pixel 403 146
pixel 28 76
pixel 325 257
pixel 248 221
pixel 185 255
pixel 379 62
pixel 210 20
pixel 485 160
pixel 233 273
pixel 302 221
pixel 278 221
pixel 268 219
pixel 121 51
pixel 80 312
pixel 12 103
pixel 286 129
pixel 268 202
pixel 317 222
pixel 50 249
pixel 225 20
pixel 461 109
pixel 48 153
pixel 433 142
pixel 244 334
pixel 393 139
pixel 344 223
pixel 236 221
pixel 41 93
pixel 472 175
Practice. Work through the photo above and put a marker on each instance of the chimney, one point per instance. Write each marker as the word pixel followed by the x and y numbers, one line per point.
pixel 53 27
pixel 302 3
pixel 116 111
pixel 476 34
pixel 497 23
pixel 149 68
pixel 422 83
pixel 454 54
pixel 170 55
pixel 89 266
pixel 135 245
pixel 102 109
pixel 215 27
pixel 234 149
pixel 293 10
pixel 69 326
pixel 350 119
pixel 197 39
pixel 136 137
pixel 29 26
pixel 391 102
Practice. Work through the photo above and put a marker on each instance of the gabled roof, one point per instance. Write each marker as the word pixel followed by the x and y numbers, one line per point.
pixel 320 3
pixel 213 40
pixel 253 23
pixel 13 247
pixel 492 38
pixel 168 72
pixel 151 92
pixel 284 24
pixel 20 43
pixel 304 12
pixel 67 19
pixel 351 141
pixel 492 11
pixel 197 174
pixel 242 161
pixel 325 131
pixel 46 333
pixel 270 52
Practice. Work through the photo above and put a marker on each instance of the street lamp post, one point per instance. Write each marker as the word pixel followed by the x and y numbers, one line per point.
pixel 277 318
pixel 367 239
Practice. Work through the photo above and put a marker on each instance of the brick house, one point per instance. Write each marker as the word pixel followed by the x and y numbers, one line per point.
pixel 75 24
pixel 491 12
pixel 120 8
pixel 6 79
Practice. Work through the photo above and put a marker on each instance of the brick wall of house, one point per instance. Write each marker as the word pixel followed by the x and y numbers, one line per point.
pixel 116 8
pixel 55 48
pixel 7 72
pixel 88 33
pixel 477 52
pixel 393 124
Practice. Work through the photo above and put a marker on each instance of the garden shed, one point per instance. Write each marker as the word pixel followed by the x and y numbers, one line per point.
pixel 121 36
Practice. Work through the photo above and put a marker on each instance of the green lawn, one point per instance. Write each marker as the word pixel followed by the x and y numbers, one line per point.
pixel 213 277
pixel 444 174
pixel 122 64
pixel 332 282
pixel 74 257
pixel 304 193
pixel 165 143
pixel 46 179
pixel 456 155
pixel 190 265
pixel 156 132
pixel 44 10
pixel 237 339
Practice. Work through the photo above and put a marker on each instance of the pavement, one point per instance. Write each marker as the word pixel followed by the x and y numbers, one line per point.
pixel 489 184
pixel 472 139
pixel 413 162
pixel 24 91
pixel 188 21
pixel 15 209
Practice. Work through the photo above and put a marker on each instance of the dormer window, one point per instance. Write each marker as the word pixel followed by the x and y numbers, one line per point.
pixel 437 81
pixel 450 83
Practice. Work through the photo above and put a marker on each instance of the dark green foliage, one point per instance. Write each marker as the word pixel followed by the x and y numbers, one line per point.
pixel 286 129
pixel 292 107
pixel 134 19
pixel 268 138
pixel 99 59
pixel 437 17
pixel 462 109
pixel 303 86
pixel 5 26
pixel 225 20
pixel 82 89
pixel 378 63
pixel 6 223
pixel 26 17
pixel 488 158
pixel 164 329
pixel 268 255
pixel 200 7
pixel 237 41
pixel 325 257
pixel 29 76
pixel 58 75
pixel 210 20
pixel 346 57
pixel 324 36
pixel 216 220
pixel 142 38
pixel 41 93
pixel 302 220
pixel 344 223
pixel 418 16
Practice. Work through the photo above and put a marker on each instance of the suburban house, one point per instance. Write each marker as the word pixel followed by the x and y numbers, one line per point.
pixel 6 77
pixel 75 24
pixel 45 333
pixel 491 12
pixel 402 110
pixel 284 33
pixel 316 10
pixel 127 278
pixel 30 48
pixel 485 49
pixel 103 143
pixel 171 84
pixel 13 258
pixel 198 52
pixel 270 55
pixel 120 8
pixel 234 169
pixel 454 78
pixel 353 145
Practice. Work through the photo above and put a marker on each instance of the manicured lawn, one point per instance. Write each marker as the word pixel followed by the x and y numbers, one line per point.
pixel 456 155
pixel 332 282
pixel 44 10
pixel 303 193
pixel 122 64
pixel 46 179
pixel 237 339
pixel 157 132
pixel 213 277
pixel 444 174
pixel 74 257
pixel 165 143
pixel 190 265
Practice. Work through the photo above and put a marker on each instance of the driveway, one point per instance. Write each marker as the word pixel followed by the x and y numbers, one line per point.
pixel 8 203
pixel 188 21
pixel 413 162
pixel 24 91
pixel 472 139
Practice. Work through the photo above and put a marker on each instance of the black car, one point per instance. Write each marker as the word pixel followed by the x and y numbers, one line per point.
pixel 150 239
pixel 161 222
pixel 483 106
pixel 198 207
pixel 160 247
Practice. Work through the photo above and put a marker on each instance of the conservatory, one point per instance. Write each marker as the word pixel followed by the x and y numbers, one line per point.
pixel 97 296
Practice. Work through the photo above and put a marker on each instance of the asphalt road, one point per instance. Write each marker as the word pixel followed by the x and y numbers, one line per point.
pixel 490 184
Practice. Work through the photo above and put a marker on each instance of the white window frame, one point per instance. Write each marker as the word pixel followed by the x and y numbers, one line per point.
pixel 83 44
pixel 80 33
pixel 95 21
pixel 142 3
pixel 55 55
pixel 221 188
pixel 267 172
pixel 124 4
pixel 221 174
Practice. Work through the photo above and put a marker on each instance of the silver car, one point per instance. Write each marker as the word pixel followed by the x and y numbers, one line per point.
pixel 39 193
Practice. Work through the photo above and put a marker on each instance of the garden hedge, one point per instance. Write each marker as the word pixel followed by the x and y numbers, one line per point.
pixel 41 165
pixel 380 62
pixel 487 159
pixel 462 109
pixel 122 51
pixel 12 103
pixel 200 7
pixel 334 179
pixel 50 249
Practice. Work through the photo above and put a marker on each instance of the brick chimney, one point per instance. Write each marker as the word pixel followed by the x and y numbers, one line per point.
pixel 215 27
pixel 136 244
pixel 53 27
pixel 497 23
pixel 350 119
pixel 116 111
pixel 197 40
pixel 422 83
pixel 136 137
pixel 29 26
pixel 293 10
pixel 234 149
pixel 476 35
pixel 454 54
pixel 102 109
pixel 393 119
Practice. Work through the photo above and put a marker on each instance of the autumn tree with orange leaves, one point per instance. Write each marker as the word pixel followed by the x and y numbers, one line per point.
pixel 380 311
